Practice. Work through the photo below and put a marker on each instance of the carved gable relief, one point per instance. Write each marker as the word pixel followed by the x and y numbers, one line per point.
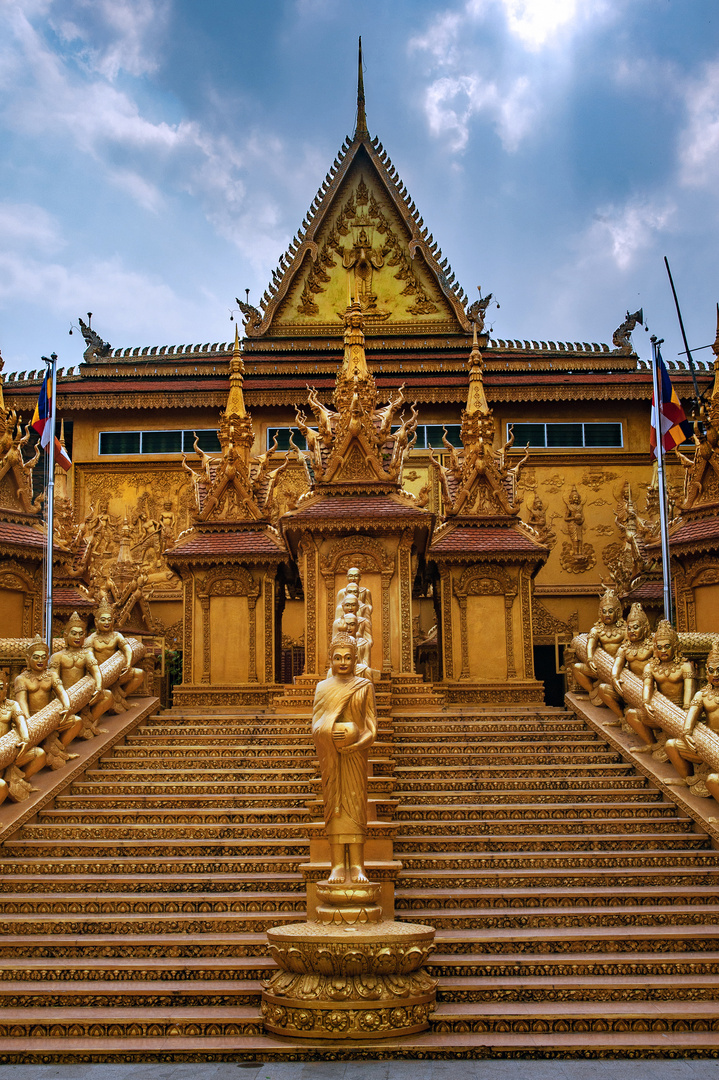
pixel 363 246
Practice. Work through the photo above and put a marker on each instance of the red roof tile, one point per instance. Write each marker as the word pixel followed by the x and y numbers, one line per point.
pixel 242 542
pixel 486 540
pixel 70 596
pixel 25 535
pixel 347 507
pixel 699 531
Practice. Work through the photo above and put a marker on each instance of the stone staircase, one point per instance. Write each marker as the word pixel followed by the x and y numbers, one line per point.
pixel 575 907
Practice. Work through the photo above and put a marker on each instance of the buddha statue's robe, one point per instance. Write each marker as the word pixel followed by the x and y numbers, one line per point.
pixel 344 775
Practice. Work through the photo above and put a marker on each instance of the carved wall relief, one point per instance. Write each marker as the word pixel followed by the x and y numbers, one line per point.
pixel 577 554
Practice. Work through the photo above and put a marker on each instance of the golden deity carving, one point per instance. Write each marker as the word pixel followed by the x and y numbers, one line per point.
pixel 73 663
pixel 103 643
pixel 577 555
pixel 36 686
pixel 673 676
pixel 28 760
pixel 635 651
pixel 682 751
pixel 344 727
pixel 608 634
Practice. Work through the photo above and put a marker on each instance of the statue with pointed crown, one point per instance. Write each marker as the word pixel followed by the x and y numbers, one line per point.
pixel 670 674
pixel 73 663
pixel 28 759
pixel 608 634
pixel 104 642
pixel 635 650
pixel 703 708
pixel 37 685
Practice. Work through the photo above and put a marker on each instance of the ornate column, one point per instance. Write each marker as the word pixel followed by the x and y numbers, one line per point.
pixel 386 623
pixel 446 598
pixel 509 632
pixel 308 552
pixel 252 595
pixel 206 646
pixel 404 558
pixel 187 616
pixel 269 644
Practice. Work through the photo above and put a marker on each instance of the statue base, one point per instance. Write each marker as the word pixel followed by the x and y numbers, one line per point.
pixel 350 974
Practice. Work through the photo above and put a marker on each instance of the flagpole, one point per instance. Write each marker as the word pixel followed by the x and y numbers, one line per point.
pixel 663 520
pixel 50 503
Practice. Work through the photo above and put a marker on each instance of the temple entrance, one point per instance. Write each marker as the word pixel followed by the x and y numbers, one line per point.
pixel 545 669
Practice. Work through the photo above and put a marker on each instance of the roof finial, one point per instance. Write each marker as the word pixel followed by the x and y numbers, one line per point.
pixel 361 128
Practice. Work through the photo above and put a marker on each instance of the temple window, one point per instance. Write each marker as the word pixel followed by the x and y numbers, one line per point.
pixel 169 441
pixel 591 436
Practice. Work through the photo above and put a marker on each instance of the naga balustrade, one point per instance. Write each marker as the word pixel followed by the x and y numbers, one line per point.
pixel 43 723
pixel 669 715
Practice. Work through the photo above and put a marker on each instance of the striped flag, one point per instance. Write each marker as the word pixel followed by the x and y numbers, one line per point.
pixel 42 420
pixel 62 458
pixel 674 426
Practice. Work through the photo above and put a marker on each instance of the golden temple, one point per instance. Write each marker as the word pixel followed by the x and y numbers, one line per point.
pixel 333 757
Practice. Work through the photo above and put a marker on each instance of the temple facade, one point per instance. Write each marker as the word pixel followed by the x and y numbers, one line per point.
pixel 186 540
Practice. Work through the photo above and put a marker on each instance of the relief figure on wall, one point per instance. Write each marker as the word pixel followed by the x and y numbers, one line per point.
pixel 577 555
pixel 344 727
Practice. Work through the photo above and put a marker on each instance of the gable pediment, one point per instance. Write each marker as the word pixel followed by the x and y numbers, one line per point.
pixel 364 238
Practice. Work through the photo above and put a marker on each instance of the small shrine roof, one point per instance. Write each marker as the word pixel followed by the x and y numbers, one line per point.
pixel 494 541
pixel 346 509
pixel 240 543
pixel 699 534
pixel 69 596
pixel 21 535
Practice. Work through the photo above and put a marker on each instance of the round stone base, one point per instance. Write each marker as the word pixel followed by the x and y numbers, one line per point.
pixel 360 981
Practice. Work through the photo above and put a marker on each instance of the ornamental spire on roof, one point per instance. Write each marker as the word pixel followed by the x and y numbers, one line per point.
pixel 236 399
pixel 361 131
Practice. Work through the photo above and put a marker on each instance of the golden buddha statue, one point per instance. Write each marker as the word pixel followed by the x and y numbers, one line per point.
pixel 704 707
pixel 37 685
pixel 105 641
pixel 344 727
pixel 354 578
pixel 607 632
pixel 28 760
pixel 634 652
pixel 352 622
pixel 73 663
pixel 669 673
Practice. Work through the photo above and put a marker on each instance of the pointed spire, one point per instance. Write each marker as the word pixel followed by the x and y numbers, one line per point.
pixel 236 399
pixel 361 131
pixel 476 397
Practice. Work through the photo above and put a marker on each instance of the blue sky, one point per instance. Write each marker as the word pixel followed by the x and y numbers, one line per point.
pixel 158 155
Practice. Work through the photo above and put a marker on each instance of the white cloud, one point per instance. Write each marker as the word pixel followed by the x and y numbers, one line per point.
pixel 451 103
pixel 114 35
pixel 486 55
pixel 621 233
pixel 25 226
pixel 699 144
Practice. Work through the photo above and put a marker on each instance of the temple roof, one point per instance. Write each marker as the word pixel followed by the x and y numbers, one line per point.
pixel 249 545
pixel 507 542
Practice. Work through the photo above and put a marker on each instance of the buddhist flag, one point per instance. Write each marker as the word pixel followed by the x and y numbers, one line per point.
pixel 62 458
pixel 673 423
pixel 42 417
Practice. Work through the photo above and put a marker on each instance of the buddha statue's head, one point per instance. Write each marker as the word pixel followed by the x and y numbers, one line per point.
pixel 343 655
pixel 37 654
pixel 353 576
pixel 637 623
pixel 74 632
pixel 666 640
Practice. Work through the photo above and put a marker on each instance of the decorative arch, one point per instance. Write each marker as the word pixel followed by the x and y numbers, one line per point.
pixel 17 578
pixel 228 581
pixel 486 581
